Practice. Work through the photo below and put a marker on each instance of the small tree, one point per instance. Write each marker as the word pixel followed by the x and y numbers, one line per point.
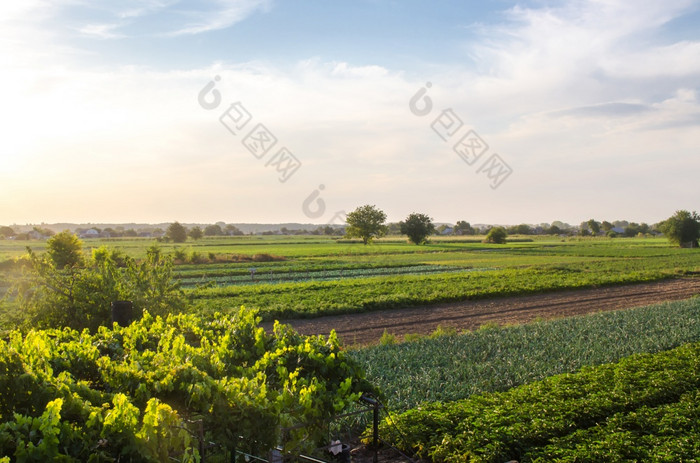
pixel 523 229
pixel 463 228
pixel 366 222
pixel 593 226
pixel 195 233
pixel 176 233
pixel 553 230
pixel 418 227
pixel 80 297
pixel 496 235
pixel 7 231
pixel 65 250
pixel 232 230
pixel 213 230
pixel 682 229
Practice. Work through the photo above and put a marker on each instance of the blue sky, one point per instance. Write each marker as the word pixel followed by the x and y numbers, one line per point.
pixel 586 109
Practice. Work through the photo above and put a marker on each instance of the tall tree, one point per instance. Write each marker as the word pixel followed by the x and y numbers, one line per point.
pixel 682 228
pixel 176 232
pixel 417 227
pixel 366 222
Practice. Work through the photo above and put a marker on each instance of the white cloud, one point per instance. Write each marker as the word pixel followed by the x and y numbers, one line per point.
pixel 101 31
pixel 224 14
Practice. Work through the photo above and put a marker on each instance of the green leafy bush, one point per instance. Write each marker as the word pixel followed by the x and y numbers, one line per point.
pixel 129 393
pixel 79 296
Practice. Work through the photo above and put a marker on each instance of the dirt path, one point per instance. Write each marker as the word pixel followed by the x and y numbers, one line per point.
pixel 367 328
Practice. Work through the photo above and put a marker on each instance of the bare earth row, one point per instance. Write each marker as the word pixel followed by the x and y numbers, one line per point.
pixel 368 327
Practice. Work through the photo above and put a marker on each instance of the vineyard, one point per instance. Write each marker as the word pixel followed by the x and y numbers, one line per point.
pixel 141 393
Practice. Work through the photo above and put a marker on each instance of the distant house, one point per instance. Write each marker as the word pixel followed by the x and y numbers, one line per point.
pixel 145 235
pixel 91 233
pixel 447 231
pixel 618 230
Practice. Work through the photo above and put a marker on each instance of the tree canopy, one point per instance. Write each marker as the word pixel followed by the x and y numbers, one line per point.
pixel 417 227
pixel 496 235
pixel 79 296
pixel 366 222
pixel 682 228
pixel 195 233
pixel 65 250
pixel 176 232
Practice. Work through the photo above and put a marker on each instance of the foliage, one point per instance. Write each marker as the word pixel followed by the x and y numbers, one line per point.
pixel 387 339
pixel 366 222
pixel 313 276
pixel 80 297
pixel 65 250
pixel 522 229
pixel 213 230
pixel 564 417
pixel 195 233
pixel 313 299
pixel 496 358
pixel 463 228
pixel 6 231
pixel 418 227
pixel 682 229
pixel 593 226
pixel 126 393
pixel 176 233
pixel 496 235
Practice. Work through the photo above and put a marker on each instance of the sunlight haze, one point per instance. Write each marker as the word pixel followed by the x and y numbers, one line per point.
pixel 592 106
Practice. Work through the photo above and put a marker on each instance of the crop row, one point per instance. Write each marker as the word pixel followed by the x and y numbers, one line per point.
pixel 493 358
pixel 313 299
pixel 255 276
pixel 563 416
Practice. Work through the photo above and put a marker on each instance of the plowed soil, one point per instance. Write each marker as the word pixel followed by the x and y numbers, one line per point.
pixel 367 328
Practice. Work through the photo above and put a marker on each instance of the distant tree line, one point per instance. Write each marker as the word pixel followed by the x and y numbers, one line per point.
pixel 368 222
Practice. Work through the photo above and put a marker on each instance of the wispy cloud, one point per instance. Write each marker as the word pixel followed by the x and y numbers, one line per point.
pixel 220 14
pixel 101 31
pixel 616 109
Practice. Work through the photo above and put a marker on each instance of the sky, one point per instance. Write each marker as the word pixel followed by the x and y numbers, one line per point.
pixel 271 111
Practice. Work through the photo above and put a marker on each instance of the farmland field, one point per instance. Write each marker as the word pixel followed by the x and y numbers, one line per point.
pixel 473 397
pixel 455 366
pixel 314 279
pixel 312 276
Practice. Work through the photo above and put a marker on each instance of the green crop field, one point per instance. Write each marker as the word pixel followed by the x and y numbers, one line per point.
pixel 454 367
pixel 643 408
pixel 307 276
pixel 468 397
